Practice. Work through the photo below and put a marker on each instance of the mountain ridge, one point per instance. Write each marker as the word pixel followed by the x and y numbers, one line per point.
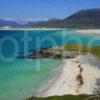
pixel 88 18
pixel 9 23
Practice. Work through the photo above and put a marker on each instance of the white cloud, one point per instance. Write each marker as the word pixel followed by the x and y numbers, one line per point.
pixel 37 19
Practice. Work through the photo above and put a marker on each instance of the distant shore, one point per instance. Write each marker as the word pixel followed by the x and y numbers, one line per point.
pixel 33 29
pixel 89 31
pixel 84 31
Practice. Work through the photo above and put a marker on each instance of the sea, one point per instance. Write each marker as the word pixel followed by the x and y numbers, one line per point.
pixel 20 78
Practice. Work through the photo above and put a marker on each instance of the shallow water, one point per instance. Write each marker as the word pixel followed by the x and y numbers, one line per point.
pixel 20 78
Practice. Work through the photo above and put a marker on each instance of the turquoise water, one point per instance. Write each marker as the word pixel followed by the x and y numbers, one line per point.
pixel 19 78
pixel 21 41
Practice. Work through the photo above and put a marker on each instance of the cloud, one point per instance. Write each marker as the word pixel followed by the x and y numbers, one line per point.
pixel 37 19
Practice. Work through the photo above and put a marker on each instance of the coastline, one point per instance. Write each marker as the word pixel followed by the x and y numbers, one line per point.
pixel 81 31
pixel 48 83
pixel 66 82
pixel 89 31
pixel 33 29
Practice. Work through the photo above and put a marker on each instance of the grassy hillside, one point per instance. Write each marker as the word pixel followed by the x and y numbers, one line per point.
pixel 89 18
pixel 66 97
pixel 69 97
pixel 95 50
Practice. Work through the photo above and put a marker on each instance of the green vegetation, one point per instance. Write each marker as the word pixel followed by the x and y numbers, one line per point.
pixel 95 50
pixel 89 18
pixel 66 97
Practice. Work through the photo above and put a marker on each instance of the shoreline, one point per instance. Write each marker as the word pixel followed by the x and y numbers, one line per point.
pixel 33 29
pixel 81 31
pixel 48 83
pixel 89 31
pixel 66 82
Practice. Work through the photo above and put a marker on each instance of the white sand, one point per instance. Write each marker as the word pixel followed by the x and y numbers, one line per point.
pixel 66 82
pixel 90 74
pixel 89 31
pixel 32 29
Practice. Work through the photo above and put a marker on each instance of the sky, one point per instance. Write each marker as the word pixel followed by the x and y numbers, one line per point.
pixel 43 9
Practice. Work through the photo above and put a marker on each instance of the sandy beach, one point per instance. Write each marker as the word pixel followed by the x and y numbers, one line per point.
pixel 89 31
pixel 67 82
pixel 33 29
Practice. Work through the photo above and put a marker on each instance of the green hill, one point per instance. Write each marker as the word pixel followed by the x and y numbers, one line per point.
pixel 89 18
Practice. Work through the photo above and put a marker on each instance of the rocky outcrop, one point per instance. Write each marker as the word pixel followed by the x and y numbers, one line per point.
pixel 51 53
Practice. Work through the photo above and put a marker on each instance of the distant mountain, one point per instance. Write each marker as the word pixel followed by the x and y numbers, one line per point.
pixel 84 18
pixel 54 19
pixel 31 23
pixel 10 23
pixel 89 18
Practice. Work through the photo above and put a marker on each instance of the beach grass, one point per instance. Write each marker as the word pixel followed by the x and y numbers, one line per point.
pixel 65 97
pixel 95 50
